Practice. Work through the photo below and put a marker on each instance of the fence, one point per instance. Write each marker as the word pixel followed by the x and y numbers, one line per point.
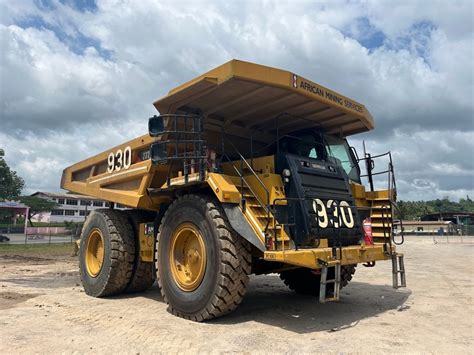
pixel 467 229
pixel 453 238
pixel 47 230
pixel 53 234
pixel 12 234
pixel 48 235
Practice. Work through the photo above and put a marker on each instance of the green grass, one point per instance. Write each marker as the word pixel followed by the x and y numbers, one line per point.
pixel 42 250
pixel 35 224
pixel 44 224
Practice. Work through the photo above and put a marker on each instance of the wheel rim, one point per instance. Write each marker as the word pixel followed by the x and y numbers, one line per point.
pixel 187 257
pixel 94 252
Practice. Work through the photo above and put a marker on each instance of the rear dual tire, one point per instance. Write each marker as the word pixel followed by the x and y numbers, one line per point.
pixel 106 254
pixel 109 257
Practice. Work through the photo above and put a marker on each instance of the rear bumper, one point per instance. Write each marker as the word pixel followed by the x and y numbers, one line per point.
pixel 350 255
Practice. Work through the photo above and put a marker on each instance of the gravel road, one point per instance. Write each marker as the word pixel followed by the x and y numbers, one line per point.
pixel 43 309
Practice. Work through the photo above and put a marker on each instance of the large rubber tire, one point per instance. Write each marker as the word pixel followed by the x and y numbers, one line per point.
pixel 142 275
pixel 118 253
pixel 228 261
pixel 304 281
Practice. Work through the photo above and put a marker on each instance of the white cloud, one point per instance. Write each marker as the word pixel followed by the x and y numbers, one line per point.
pixel 45 86
pixel 40 159
pixel 418 84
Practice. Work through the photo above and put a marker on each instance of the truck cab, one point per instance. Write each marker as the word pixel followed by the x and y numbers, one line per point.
pixel 317 170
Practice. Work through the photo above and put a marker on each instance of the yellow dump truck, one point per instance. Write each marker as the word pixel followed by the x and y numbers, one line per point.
pixel 246 170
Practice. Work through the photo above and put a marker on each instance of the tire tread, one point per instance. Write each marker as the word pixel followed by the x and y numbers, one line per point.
pixel 121 253
pixel 234 267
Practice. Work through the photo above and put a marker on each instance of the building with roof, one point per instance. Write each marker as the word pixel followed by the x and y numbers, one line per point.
pixel 71 207
pixel 464 221
pixel 17 209
pixel 465 218
pixel 425 227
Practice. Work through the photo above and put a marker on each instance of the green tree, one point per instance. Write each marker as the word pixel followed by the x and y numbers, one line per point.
pixel 37 205
pixel 412 210
pixel 10 183
pixel 403 210
pixel 467 204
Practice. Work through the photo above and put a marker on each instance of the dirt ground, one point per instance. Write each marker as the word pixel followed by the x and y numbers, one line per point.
pixel 43 309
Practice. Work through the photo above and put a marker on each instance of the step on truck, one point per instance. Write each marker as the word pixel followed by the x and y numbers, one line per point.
pixel 246 170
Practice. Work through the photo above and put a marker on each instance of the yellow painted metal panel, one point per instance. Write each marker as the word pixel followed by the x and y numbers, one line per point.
pixel 358 192
pixel 309 257
pixel 379 195
pixel 224 188
pixel 147 240
pixel 126 185
pixel 265 164
pixel 290 85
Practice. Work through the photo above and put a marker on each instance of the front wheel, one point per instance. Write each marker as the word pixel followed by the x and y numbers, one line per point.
pixel 202 265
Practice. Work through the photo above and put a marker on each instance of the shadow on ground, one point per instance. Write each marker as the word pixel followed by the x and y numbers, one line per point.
pixel 153 293
pixel 268 301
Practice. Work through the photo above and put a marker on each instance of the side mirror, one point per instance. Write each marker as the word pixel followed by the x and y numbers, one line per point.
pixel 156 126
pixel 158 153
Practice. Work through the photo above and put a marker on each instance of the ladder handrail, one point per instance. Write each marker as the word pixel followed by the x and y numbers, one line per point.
pixel 391 187
pixel 402 235
pixel 247 184
pixel 390 171
pixel 242 159
pixel 266 208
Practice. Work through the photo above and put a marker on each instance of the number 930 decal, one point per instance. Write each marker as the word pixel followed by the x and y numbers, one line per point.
pixel 344 220
pixel 121 159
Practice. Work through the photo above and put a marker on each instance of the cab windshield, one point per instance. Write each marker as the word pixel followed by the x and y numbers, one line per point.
pixel 338 149
pixel 323 147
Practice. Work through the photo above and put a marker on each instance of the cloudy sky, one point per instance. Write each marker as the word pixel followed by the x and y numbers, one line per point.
pixel 79 76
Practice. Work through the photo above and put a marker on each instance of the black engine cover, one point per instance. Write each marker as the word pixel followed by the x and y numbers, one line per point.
pixel 320 202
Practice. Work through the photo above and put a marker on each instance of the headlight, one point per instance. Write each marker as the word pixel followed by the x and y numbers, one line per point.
pixel 286 173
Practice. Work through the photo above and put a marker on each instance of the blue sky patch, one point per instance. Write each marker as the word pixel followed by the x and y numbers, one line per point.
pixel 365 33
pixel 416 39
pixel 78 42
pixel 80 5
pixel 375 40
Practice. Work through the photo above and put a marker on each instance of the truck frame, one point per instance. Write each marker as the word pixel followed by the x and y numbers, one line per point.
pixel 246 170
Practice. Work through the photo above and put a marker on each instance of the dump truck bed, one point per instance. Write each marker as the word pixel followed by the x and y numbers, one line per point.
pixel 239 98
pixel 245 97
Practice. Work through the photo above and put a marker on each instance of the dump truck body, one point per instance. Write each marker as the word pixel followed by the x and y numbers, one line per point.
pixel 269 147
